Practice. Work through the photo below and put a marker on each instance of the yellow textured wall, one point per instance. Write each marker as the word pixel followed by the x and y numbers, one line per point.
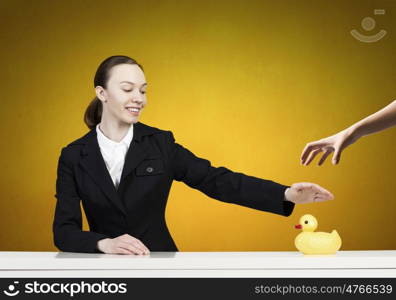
pixel 244 84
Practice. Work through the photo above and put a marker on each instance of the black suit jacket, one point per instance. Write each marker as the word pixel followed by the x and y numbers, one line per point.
pixel 137 207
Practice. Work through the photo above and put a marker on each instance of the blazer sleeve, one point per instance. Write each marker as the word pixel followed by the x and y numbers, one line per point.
pixel 67 224
pixel 225 185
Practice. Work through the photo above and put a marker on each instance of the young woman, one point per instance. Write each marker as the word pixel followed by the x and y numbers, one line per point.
pixel 122 171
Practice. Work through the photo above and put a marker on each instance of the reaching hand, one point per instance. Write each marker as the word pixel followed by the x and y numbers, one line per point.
pixel 306 192
pixel 336 143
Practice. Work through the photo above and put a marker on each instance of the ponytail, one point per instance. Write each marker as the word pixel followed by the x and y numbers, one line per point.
pixel 93 113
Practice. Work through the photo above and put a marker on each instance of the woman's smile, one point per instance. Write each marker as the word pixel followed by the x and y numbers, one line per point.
pixel 134 111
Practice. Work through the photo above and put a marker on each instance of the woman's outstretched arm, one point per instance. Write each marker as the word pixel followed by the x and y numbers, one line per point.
pixel 233 187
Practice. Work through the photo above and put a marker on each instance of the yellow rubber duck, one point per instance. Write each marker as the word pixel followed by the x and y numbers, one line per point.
pixel 310 242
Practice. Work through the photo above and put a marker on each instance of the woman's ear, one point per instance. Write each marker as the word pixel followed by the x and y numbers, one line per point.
pixel 100 93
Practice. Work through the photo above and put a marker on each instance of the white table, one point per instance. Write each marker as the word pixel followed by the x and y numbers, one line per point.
pixel 198 264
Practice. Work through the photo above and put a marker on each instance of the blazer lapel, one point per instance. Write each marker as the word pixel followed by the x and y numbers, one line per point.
pixel 94 165
pixel 137 151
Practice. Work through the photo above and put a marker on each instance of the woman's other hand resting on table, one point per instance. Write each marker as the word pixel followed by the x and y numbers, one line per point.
pixel 123 244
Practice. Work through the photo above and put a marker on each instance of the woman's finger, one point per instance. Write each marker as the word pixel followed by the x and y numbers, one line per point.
pixel 318 188
pixel 143 246
pixel 313 188
pixel 322 192
pixel 126 246
pixel 135 242
pixel 122 251
pixel 138 244
pixel 122 248
pixel 327 195
pixel 321 199
pixel 131 247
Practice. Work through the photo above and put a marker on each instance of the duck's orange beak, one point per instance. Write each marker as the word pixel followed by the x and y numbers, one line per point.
pixel 298 226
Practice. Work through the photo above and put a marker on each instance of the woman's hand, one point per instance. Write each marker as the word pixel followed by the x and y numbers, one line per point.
pixel 306 192
pixel 124 244
pixel 336 143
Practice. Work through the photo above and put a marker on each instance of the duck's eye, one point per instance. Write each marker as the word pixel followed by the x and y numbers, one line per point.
pixel 306 222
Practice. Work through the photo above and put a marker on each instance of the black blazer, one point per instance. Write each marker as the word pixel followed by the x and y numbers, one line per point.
pixel 137 207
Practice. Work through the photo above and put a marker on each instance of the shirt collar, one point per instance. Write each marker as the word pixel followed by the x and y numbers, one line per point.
pixel 108 142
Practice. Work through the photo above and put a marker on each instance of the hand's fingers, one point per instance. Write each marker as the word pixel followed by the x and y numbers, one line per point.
pixel 123 246
pixel 143 246
pixel 321 199
pixel 130 247
pixel 325 196
pixel 318 191
pixel 324 156
pixel 336 156
pixel 136 242
pixel 312 156
pixel 322 192
pixel 138 246
pixel 307 149
pixel 312 188
pixel 122 251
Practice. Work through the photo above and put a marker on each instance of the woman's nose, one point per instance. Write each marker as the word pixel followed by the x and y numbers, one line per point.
pixel 137 97
pixel 137 100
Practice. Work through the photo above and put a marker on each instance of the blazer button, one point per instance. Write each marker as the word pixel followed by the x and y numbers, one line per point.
pixel 149 169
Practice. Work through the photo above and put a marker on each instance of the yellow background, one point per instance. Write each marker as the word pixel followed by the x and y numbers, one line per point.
pixel 245 84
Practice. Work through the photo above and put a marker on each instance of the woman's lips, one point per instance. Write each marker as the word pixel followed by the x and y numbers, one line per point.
pixel 133 113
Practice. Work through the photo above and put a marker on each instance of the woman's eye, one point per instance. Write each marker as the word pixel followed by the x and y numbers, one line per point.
pixel 143 92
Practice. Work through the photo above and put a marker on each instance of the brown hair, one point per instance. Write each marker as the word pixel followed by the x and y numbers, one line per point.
pixel 93 113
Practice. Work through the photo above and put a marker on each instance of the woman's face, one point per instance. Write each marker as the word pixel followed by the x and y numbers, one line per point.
pixel 125 95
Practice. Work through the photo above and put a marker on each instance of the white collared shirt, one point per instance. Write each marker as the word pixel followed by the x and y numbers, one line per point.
pixel 114 153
